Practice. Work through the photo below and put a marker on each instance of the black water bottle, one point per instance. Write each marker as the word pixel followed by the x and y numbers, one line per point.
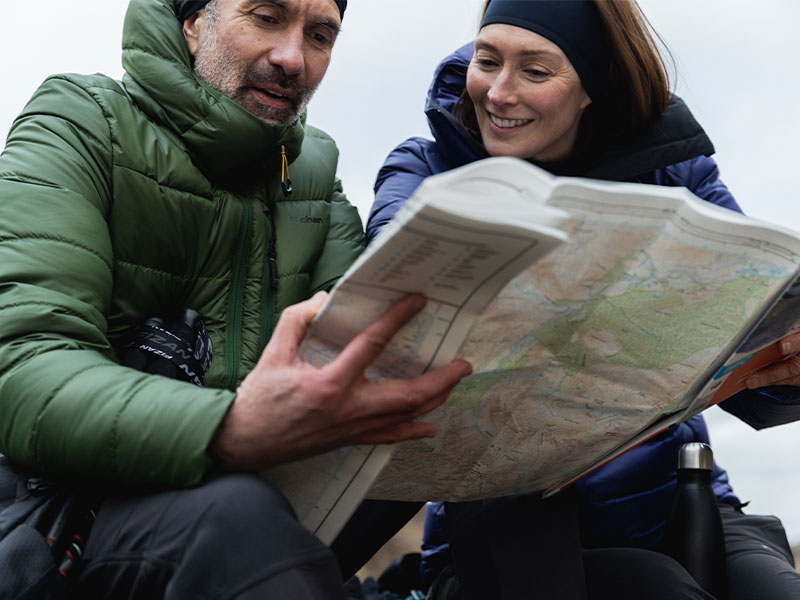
pixel 694 535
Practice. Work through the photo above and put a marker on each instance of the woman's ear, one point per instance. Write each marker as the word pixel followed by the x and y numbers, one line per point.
pixel 193 28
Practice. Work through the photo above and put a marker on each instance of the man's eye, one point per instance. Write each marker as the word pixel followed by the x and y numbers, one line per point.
pixel 322 38
pixel 266 18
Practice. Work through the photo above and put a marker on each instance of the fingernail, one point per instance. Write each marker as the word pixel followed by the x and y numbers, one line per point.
pixel 786 347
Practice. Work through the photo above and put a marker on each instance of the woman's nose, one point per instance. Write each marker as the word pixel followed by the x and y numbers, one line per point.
pixel 503 89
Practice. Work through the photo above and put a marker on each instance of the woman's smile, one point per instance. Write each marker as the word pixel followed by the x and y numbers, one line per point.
pixel 502 123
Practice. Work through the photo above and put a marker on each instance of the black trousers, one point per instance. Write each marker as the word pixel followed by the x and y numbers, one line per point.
pixel 517 547
pixel 235 537
pixel 759 559
pixel 523 547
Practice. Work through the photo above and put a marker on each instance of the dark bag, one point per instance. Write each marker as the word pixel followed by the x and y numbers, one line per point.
pixel 506 547
pixel 44 523
pixel 43 526
pixel 446 586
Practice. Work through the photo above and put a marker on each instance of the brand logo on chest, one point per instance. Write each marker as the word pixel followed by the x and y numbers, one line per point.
pixel 306 220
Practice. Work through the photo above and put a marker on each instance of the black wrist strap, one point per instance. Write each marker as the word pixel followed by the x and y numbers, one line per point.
pixel 191 359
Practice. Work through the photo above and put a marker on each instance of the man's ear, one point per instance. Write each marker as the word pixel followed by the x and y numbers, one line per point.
pixel 193 28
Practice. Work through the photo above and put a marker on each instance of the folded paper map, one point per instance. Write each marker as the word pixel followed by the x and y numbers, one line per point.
pixel 595 315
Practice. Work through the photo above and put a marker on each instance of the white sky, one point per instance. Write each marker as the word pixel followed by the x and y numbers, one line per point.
pixel 737 64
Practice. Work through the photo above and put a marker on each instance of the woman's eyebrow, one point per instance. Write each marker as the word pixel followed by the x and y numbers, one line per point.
pixel 482 45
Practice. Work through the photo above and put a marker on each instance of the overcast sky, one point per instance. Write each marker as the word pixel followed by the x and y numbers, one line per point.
pixel 737 65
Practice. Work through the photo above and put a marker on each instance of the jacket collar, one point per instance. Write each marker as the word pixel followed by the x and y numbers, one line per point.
pixel 675 137
pixel 224 139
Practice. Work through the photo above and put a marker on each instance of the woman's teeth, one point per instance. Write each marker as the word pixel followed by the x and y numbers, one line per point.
pixel 508 123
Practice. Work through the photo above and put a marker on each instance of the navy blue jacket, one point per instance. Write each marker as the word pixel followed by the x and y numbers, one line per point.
pixel 625 502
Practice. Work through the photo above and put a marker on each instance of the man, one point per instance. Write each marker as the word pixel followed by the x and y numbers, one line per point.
pixel 122 200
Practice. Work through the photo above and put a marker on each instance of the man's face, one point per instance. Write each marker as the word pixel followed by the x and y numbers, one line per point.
pixel 269 56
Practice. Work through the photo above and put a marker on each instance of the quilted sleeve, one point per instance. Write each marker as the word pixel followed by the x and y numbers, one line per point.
pixel 401 174
pixel 66 407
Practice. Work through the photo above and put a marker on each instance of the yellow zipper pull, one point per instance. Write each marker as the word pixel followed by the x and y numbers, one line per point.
pixel 286 180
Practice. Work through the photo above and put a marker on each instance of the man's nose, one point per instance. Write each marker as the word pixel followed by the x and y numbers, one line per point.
pixel 503 89
pixel 289 52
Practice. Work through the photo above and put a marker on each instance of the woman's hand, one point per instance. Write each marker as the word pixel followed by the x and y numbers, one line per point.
pixel 785 371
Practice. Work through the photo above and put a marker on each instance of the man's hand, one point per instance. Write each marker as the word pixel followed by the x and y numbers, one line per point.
pixel 286 409
pixel 783 372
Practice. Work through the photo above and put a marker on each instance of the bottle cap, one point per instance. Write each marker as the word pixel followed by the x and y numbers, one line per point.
pixel 696 455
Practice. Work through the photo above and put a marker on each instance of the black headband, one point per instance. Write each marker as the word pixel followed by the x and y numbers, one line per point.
pixel 189 7
pixel 572 25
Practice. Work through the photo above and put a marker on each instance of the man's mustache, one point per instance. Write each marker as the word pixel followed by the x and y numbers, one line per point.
pixel 260 77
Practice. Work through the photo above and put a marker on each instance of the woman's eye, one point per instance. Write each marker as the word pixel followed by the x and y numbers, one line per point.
pixel 485 62
pixel 536 73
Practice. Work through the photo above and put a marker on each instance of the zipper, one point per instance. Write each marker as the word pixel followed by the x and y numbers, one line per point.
pixel 236 297
pixel 286 179
pixel 270 282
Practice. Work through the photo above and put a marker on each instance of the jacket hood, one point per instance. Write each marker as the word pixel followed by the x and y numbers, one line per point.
pixel 449 81
pixel 223 138
pixel 674 137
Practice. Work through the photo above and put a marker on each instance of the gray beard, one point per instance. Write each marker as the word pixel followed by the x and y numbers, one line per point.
pixel 230 76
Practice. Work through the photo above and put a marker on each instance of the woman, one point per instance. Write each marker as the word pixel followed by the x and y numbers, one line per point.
pixel 579 88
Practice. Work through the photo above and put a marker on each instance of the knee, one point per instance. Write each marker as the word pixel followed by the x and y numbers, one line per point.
pixel 634 573
pixel 244 510
pixel 244 502
pixel 236 530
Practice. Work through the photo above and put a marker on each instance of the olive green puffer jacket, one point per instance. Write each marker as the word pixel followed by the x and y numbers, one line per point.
pixel 122 200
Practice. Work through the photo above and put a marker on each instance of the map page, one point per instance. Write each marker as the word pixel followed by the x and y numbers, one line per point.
pixel 459 255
